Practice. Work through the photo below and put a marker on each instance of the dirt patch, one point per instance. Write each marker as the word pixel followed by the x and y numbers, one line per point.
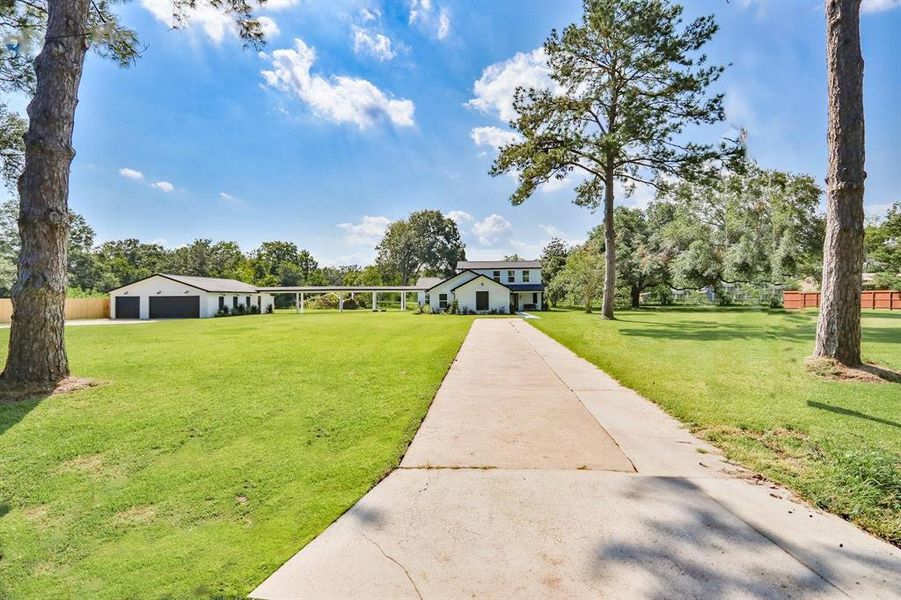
pixel 36 514
pixel 136 515
pixel 90 464
pixel 827 368
pixel 13 395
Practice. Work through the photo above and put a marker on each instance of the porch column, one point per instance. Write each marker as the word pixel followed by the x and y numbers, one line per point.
pixel 297 302
pixel 403 300
pixel 374 296
pixel 301 302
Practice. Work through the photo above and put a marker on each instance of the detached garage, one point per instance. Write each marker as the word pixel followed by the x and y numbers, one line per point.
pixel 164 296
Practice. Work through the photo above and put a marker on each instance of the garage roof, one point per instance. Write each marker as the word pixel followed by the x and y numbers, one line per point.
pixel 204 284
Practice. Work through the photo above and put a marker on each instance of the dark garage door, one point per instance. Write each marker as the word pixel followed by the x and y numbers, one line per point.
pixel 174 307
pixel 128 307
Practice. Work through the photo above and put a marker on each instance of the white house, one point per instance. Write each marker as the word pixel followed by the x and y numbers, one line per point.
pixel 486 285
pixel 163 296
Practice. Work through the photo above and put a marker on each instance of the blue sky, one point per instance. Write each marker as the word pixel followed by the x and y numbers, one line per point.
pixel 359 112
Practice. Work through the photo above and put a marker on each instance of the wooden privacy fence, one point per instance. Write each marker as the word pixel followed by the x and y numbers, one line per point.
pixel 76 308
pixel 884 299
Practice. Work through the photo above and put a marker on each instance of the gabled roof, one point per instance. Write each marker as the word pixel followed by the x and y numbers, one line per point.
pixel 480 276
pixel 465 265
pixel 204 284
pixel 455 275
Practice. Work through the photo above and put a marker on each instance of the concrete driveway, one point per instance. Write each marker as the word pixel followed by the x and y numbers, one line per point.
pixel 535 475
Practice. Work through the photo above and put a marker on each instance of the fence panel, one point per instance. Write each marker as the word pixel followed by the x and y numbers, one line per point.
pixel 76 308
pixel 872 299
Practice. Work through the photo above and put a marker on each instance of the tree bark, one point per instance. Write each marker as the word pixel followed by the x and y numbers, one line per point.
pixel 635 296
pixel 609 247
pixel 838 327
pixel 37 353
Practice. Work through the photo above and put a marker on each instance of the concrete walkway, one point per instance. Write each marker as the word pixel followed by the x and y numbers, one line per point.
pixel 535 475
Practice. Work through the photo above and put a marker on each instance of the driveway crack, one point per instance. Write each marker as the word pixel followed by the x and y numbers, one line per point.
pixel 395 561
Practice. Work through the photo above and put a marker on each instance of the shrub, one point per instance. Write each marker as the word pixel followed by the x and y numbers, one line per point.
pixel 350 304
pixel 454 307
pixel 418 309
pixel 427 309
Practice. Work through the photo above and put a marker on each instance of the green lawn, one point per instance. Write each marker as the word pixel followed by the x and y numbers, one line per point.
pixel 737 377
pixel 214 450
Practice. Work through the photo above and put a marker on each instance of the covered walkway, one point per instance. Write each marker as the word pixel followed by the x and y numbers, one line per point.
pixel 300 292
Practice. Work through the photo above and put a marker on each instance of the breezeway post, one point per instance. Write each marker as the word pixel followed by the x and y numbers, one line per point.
pixel 301 302
pixel 297 302
pixel 375 295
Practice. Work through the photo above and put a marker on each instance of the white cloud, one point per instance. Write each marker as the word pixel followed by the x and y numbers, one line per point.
pixel 372 43
pixel 494 90
pixel 875 6
pixel 130 173
pixel 369 15
pixel 230 200
pixel 276 5
pixel 339 99
pixel 367 232
pixel 422 14
pixel 215 23
pixel 493 136
pixel 269 27
pixel 163 186
pixel 444 24
pixel 489 229
pixel 459 216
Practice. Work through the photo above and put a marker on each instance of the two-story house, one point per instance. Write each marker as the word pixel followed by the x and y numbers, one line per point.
pixel 486 285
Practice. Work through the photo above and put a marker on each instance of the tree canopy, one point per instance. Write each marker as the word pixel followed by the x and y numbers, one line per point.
pixel 425 243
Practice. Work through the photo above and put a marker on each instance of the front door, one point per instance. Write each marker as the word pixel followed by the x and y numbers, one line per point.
pixel 514 301
pixel 481 300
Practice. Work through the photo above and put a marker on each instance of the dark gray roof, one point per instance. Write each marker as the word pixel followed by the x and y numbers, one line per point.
pixel 526 287
pixel 498 264
pixel 428 282
pixel 212 284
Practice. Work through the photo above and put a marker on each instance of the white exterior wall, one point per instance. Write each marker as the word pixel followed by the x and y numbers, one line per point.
pixel 445 288
pixel 534 275
pixel 498 295
pixel 162 286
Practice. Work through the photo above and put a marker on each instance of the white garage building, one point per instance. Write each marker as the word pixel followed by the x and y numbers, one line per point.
pixel 163 296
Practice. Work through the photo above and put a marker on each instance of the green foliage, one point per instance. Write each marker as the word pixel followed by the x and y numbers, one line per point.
pixel 12 147
pixel 882 241
pixel 627 82
pixel 553 259
pixel 757 226
pixel 426 243
pixel 581 280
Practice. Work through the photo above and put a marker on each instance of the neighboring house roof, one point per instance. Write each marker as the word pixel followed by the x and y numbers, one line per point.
pixel 464 265
pixel 481 276
pixel 204 284
pixel 526 287
pixel 428 282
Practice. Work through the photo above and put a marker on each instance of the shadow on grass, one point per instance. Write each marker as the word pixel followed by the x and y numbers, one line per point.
pixel 14 408
pixel 700 549
pixel 852 413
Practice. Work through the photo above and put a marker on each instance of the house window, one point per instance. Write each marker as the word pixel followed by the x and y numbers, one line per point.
pixel 427 298
pixel 442 301
pixel 497 276
pixel 511 276
pixel 525 277
pixel 248 302
pixel 535 298
pixel 234 302
pixel 221 302
pixel 481 300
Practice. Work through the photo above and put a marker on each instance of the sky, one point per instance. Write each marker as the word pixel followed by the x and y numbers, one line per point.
pixel 357 113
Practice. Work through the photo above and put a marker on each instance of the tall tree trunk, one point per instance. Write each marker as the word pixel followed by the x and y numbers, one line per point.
pixel 635 296
pixel 838 328
pixel 37 353
pixel 609 247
